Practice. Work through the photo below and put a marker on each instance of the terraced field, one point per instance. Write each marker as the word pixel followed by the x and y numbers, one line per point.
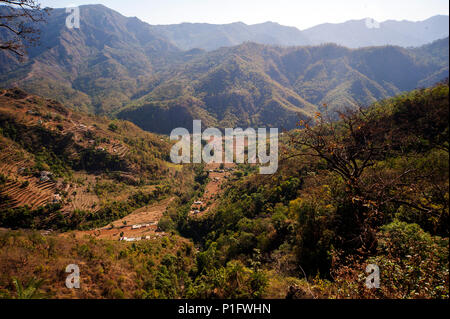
pixel 21 190
pixel 52 154
pixel 81 200
pixel 34 195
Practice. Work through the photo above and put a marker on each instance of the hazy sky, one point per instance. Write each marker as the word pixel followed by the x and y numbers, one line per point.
pixel 299 13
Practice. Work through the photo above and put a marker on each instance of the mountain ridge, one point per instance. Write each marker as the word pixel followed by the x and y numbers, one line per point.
pixel 210 36
pixel 252 84
pixel 366 32
pixel 114 65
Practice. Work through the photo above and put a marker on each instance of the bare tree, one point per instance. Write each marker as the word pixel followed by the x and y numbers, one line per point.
pixel 349 146
pixel 18 18
pixel 357 146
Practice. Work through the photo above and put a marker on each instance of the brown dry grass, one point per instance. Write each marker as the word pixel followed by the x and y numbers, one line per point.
pixel 107 268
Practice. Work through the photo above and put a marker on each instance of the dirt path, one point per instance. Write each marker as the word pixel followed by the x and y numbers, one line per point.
pixel 218 177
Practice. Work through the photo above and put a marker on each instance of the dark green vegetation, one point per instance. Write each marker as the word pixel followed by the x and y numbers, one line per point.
pixel 121 66
pixel 372 188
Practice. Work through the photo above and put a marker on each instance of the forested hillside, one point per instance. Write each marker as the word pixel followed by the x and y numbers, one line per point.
pixel 252 84
pixel 95 68
pixel 370 189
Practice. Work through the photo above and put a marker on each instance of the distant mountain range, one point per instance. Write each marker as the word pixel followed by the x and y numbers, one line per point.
pixel 187 36
pixel 123 67
pixel 352 34
pixel 363 33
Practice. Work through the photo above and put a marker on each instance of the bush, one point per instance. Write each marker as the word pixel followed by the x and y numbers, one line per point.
pixel 113 127
pixel 25 184
pixel 413 263
pixel 166 224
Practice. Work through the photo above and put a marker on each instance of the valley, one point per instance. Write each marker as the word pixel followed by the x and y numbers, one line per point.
pixel 88 175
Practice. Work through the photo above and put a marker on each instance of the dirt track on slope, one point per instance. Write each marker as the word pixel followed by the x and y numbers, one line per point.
pixel 213 189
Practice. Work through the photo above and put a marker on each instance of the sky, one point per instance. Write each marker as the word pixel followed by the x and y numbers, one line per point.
pixel 298 13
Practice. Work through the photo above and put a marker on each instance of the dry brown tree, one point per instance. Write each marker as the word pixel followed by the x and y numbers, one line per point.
pixel 18 19
pixel 348 146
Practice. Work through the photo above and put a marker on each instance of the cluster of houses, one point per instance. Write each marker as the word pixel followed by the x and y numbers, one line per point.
pixel 226 169
pixel 82 127
pixel 45 176
pixel 134 239
pixel 197 203
pixel 56 199
pixel 139 226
